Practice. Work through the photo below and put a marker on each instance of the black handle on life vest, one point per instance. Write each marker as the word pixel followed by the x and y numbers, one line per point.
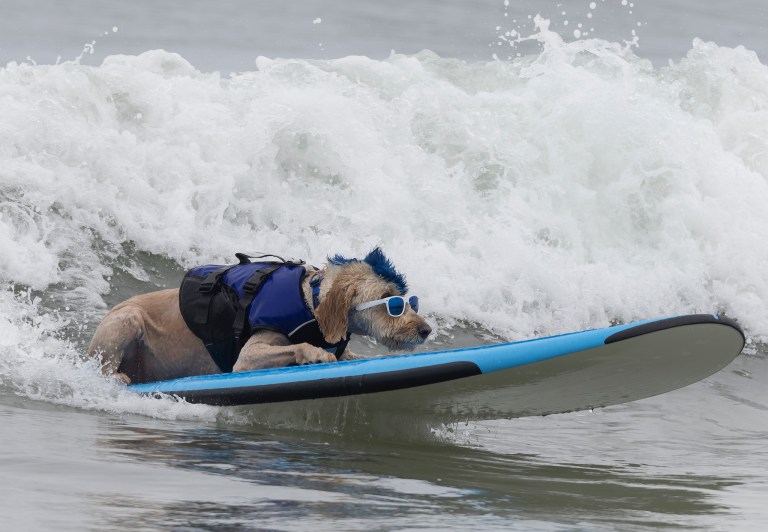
pixel 246 259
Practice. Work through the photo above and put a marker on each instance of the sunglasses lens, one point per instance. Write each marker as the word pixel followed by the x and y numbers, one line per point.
pixel 396 305
pixel 414 302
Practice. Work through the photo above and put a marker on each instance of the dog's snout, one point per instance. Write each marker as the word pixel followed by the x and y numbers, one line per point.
pixel 424 331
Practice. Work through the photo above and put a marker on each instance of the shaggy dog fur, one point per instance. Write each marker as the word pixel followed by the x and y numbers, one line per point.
pixel 145 338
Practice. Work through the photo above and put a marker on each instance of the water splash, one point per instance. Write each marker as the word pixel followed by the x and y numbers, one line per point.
pixel 570 188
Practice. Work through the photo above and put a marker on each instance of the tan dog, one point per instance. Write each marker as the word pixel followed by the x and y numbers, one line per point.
pixel 146 339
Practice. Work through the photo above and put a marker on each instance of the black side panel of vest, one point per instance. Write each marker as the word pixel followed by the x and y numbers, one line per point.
pixel 220 311
pixel 310 333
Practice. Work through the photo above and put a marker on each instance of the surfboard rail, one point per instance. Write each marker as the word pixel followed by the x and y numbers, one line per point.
pixel 586 369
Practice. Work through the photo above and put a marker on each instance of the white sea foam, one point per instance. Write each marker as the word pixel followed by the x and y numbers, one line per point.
pixel 35 362
pixel 556 192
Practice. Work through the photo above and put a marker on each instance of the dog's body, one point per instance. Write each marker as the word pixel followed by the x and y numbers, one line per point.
pixel 146 338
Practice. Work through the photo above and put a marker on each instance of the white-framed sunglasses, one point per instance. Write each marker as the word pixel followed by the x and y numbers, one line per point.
pixel 395 305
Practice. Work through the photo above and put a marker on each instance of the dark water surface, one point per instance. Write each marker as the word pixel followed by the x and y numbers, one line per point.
pixel 127 472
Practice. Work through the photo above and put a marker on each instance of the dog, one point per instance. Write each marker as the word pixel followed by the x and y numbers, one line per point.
pixel 146 338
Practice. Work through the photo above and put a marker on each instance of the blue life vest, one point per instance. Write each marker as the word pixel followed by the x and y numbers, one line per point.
pixel 225 305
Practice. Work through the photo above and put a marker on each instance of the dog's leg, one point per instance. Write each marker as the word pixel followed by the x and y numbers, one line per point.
pixel 117 341
pixel 268 349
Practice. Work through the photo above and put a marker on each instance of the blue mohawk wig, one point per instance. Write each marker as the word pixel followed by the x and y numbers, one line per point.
pixel 381 266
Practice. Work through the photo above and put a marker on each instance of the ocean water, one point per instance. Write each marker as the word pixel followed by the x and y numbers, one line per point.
pixel 533 167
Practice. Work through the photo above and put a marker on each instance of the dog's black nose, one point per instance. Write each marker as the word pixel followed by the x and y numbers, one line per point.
pixel 424 331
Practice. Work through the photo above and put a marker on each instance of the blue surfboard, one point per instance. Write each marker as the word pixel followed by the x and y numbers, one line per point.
pixel 557 374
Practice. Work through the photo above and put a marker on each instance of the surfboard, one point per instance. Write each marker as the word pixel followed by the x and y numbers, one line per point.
pixel 575 371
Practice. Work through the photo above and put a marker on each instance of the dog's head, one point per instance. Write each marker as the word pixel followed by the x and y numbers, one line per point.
pixel 354 282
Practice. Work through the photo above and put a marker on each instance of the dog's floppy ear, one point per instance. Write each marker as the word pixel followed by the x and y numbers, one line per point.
pixel 332 313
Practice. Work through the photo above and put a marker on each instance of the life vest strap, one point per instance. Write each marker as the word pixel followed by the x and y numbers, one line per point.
pixel 207 289
pixel 315 284
pixel 250 289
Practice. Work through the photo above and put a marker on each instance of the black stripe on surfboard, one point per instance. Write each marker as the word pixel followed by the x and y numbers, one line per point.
pixel 332 387
pixel 669 323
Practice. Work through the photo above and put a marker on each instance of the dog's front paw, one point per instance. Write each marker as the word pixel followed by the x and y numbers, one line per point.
pixel 348 355
pixel 309 354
